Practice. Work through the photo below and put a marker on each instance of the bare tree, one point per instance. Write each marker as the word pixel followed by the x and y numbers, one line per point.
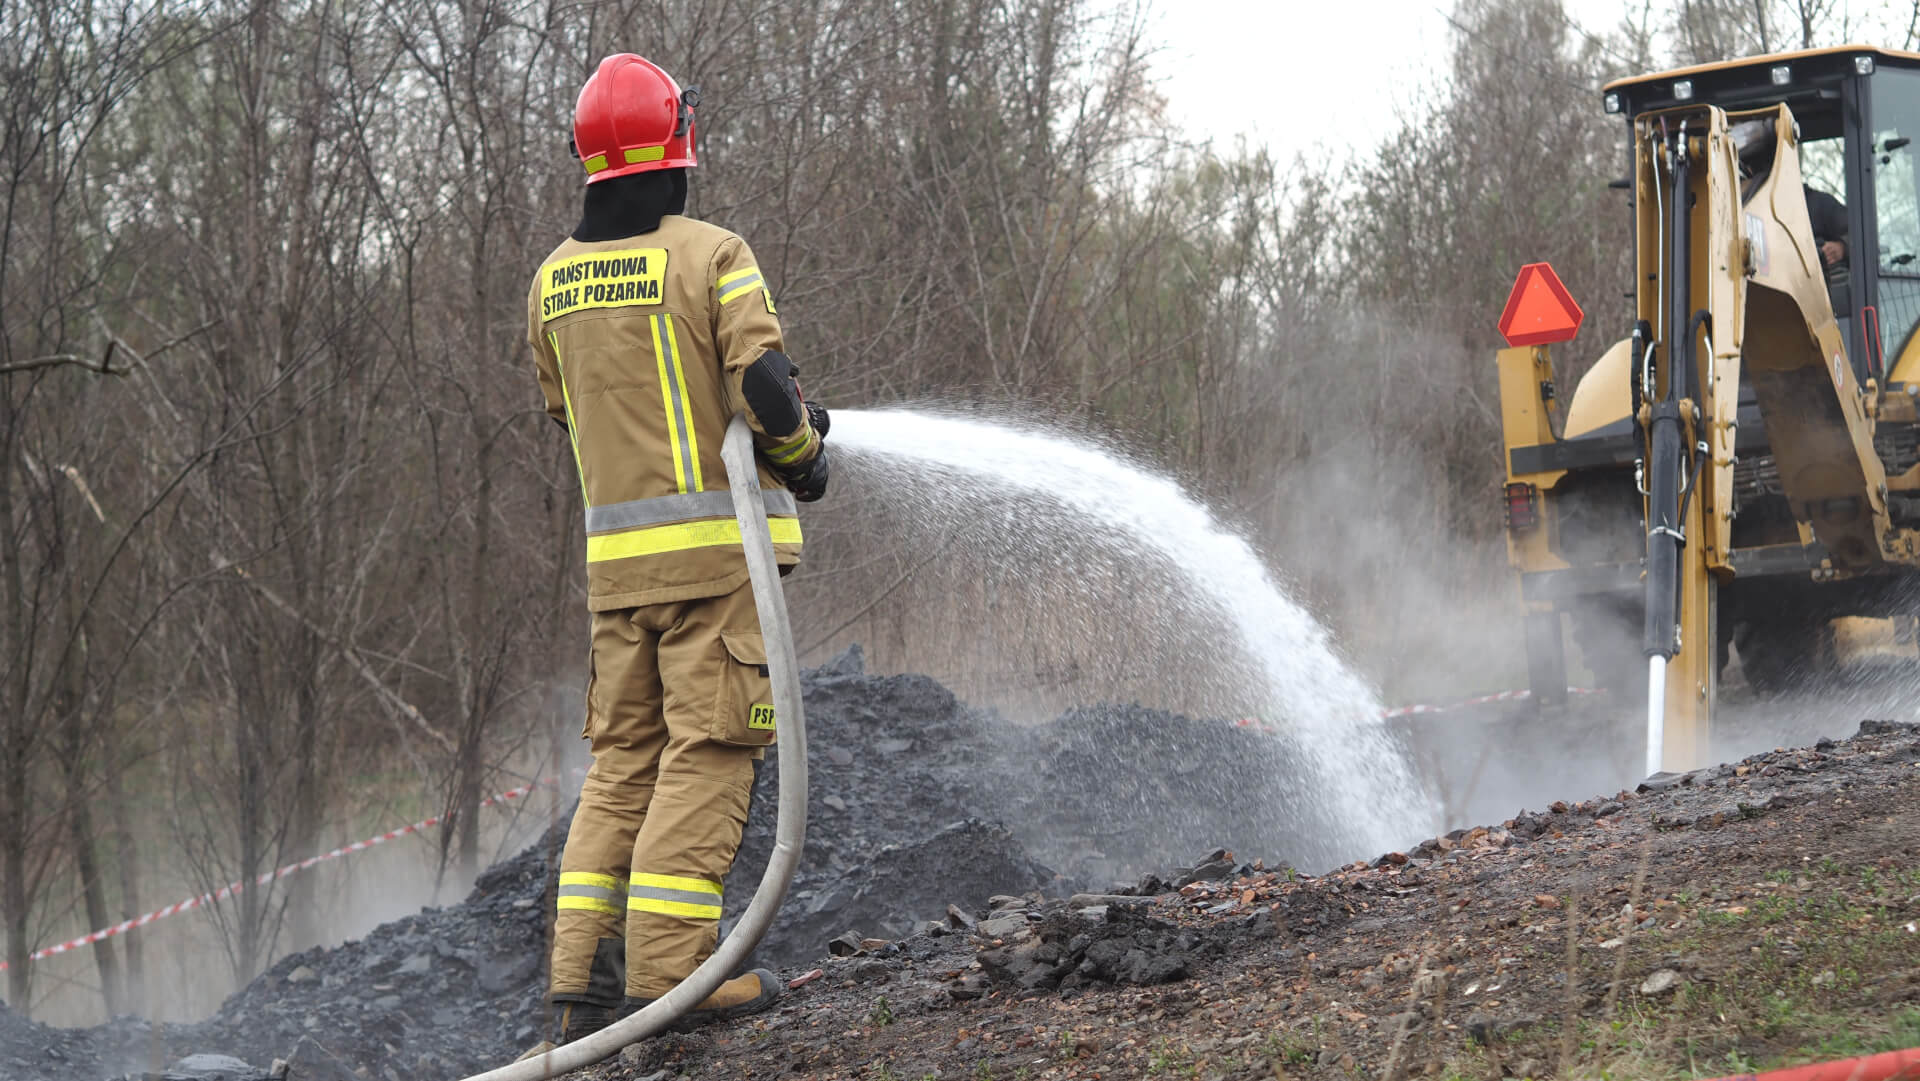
pixel 68 68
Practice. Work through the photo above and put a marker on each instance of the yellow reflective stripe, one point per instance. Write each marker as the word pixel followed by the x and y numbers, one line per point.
pixel 732 287
pixel 573 428
pixel 686 407
pixel 590 878
pixel 673 908
pixel 666 401
pixel 591 904
pixel 674 895
pixel 654 540
pixel 675 882
pixel 634 156
pixel 740 288
pixel 792 448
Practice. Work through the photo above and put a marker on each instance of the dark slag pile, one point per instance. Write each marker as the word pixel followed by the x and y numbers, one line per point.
pixel 916 801
pixel 1099 796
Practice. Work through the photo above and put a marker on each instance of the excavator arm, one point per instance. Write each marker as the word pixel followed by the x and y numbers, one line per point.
pixel 1730 284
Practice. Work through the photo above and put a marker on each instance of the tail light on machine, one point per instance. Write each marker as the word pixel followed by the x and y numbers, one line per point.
pixel 1523 507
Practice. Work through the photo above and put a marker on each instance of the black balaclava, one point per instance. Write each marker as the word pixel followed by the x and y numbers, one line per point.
pixel 632 204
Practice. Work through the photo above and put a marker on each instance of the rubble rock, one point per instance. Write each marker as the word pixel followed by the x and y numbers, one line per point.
pixel 214 1068
pixel 1121 946
pixel 845 945
pixel 1660 982
pixel 1002 926
pixel 896 888
pixel 1091 900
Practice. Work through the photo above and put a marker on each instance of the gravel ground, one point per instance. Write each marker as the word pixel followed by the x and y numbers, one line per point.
pixel 1753 914
pixel 916 801
pixel 1013 914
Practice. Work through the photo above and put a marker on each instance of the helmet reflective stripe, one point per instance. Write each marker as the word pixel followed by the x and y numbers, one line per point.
pixel 634 156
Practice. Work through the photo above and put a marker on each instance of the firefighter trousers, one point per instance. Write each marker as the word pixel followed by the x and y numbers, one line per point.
pixel 678 710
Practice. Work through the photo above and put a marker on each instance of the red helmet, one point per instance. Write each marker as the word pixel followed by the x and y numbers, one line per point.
pixel 633 118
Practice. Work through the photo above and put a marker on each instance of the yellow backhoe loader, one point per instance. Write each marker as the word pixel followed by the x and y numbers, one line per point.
pixel 1744 466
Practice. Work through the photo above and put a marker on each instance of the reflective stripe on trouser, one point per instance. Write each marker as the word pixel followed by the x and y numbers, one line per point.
pixel 591 892
pixel 672 895
pixel 663 805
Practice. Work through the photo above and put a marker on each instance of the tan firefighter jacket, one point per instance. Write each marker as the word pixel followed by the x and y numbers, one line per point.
pixel 641 344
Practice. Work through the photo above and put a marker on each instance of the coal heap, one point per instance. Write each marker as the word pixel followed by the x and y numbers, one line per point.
pixel 1100 795
pixel 915 801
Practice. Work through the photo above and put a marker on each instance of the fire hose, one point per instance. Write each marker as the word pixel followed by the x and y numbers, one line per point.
pixel 1890 1066
pixel 790 827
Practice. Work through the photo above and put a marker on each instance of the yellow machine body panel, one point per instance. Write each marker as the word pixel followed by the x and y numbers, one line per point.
pixel 1527 420
pixel 1601 398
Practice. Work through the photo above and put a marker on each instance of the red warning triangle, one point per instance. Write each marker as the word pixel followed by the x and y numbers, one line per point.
pixel 1539 310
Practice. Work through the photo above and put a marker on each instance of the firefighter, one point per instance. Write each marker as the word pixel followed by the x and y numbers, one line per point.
pixel 650 330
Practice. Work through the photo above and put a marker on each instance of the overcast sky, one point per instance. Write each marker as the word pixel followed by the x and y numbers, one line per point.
pixel 1301 75
pixel 1306 74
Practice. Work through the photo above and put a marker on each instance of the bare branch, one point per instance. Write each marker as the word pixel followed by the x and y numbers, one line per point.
pixel 353 658
pixel 58 360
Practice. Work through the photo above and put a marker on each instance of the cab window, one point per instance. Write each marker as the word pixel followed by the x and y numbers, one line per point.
pixel 1896 203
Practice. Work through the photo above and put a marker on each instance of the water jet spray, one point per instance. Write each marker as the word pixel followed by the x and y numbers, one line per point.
pixel 1356 771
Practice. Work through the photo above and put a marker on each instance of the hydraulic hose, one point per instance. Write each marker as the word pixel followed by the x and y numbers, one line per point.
pixel 1665 461
pixel 790 828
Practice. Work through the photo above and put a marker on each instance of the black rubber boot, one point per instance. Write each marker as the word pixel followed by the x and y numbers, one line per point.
pixel 572 1021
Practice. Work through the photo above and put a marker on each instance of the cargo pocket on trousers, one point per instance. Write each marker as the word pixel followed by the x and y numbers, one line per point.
pixel 744 713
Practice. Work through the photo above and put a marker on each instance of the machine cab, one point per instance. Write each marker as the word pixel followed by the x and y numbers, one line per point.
pixel 1858 112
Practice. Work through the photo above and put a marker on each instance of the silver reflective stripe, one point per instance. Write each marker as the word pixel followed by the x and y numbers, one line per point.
pixel 597 892
pixel 669 346
pixel 684 897
pixel 680 507
pixel 734 288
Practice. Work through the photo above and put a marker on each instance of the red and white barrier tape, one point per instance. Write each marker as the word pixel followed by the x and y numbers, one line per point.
pixel 265 877
pixel 1485 699
pixel 1257 725
pixel 262 879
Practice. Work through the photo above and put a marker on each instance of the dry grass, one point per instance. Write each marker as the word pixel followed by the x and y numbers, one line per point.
pixel 1820 966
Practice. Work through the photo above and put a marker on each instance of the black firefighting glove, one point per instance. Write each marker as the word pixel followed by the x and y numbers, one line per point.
pixel 808 480
pixel 817 416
